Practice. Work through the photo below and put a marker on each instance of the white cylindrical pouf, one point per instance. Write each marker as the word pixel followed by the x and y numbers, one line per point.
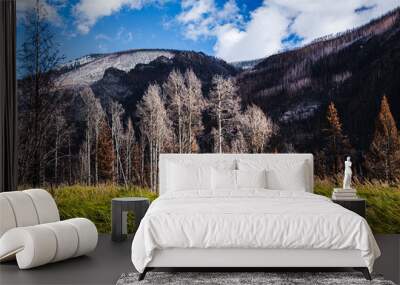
pixel 33 246
pixel 23 208
pixel 7 218
pixel 87 234
pixel 45 205
pixel 67 240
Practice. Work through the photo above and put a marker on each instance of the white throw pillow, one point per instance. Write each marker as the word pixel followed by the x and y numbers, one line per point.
pixel 280 178
pixel 282 174
pixel 224 179
pixel 188 177
pixel 251 178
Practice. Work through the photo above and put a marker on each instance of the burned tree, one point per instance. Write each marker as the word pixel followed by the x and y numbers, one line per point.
pixel 38 58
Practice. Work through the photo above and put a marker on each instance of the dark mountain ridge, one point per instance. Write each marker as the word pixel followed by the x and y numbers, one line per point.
pixel 354 70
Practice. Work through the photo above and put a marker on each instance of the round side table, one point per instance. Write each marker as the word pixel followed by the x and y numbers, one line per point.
pixel 119 210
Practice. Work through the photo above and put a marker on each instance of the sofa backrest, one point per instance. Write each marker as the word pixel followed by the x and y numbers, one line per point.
pixel 285 163
pixel 26 208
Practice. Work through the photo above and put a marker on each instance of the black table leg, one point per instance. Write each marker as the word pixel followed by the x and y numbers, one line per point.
pixel 116 225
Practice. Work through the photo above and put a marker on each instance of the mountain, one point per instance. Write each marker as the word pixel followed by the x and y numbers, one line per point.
pixel 76 63
pixel 124 76
pixel 129 86
pixel 353 69
pixel 246 64
pixel 89 69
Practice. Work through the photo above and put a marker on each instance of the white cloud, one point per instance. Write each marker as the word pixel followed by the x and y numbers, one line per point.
pixel 102 37
pixel 102 48
pixel 272 22
pixel 261 36
pixel 50 10
pixel 195 11
pixel 324 17
pixel 201 18
pixel 122 35
pixel 88 12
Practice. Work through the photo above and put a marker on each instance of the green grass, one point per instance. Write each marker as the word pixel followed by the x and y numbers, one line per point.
pixel 94 203
pixel 383 204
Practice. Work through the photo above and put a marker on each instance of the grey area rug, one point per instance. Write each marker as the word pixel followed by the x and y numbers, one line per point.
pixel 269 278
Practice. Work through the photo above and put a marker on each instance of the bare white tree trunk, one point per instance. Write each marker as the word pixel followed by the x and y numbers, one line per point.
pixel 151 162
pixel 60 129
pixel 117 132
pixel 56 158
pixel 257 128
pixel 155 126
pixel 142 152
pixel 174 90
pixel 219 123
pixel 224 105
pixel 94 115
pixel 129 146
pixel 180 126
pixel 69 160
pixel 194 104
pixel 189 150
pixel 96 161
pixel 88 157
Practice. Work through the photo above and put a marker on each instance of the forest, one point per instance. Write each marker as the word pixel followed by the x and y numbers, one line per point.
pixel 72 136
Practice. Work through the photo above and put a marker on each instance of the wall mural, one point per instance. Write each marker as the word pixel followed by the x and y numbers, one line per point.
pixel 105 87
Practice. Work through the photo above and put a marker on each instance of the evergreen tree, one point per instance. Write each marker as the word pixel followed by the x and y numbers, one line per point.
pixel 383 160
pixel 337 145
pixel 105 154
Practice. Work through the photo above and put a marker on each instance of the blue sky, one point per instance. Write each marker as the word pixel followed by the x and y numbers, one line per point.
pixel 230 29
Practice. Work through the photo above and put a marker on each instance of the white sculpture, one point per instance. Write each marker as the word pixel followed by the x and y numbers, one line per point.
pixel 347 174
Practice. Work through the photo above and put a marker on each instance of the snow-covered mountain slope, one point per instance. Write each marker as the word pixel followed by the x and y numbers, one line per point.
pixel 78 62
pixel 247 64
pixel 93 69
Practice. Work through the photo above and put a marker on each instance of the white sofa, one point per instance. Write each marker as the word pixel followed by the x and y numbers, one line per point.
pixel 31 231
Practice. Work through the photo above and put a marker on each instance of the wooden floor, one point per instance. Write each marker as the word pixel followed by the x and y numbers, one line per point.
pixel 110 260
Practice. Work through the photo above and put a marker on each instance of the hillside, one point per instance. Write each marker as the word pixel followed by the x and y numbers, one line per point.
pixel 68 132
pixel 246 64
pixel 124 76
pixel 89 69
pixel 129 86
pixel 354 69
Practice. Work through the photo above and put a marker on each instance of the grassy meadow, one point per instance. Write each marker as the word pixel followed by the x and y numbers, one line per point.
pixel 383 204
pixel 94 203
